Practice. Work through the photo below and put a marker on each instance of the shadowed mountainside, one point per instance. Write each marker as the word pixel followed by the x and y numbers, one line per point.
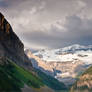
pixel 11 46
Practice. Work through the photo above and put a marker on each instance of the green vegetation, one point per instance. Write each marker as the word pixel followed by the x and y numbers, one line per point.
pixel 51 82
pixel 13 77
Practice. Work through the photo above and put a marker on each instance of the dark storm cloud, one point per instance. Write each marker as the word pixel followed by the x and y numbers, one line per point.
pixel 50 23
pixel 78 31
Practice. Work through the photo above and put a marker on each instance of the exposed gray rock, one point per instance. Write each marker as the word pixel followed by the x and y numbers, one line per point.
pixel 11 46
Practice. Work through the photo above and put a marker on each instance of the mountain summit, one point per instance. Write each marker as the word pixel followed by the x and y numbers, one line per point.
pixel 10 44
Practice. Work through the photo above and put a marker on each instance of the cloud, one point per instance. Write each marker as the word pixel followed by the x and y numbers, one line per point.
pixel 78 31
pixel 50 23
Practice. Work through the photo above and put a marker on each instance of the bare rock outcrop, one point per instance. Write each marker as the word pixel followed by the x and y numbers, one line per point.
pixel 11 46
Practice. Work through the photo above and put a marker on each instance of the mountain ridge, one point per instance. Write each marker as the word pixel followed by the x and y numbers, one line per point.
pixel 65 72
pixel 16 71
pixel 66 65
pixel 84 83
pixel 70 53
pixel 10 44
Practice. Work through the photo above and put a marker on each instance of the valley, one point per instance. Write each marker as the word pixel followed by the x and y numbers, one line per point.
pixel 67 69
pixel 65 64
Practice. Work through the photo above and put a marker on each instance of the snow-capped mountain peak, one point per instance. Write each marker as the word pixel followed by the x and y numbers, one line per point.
pixel 62 63
pixel 70 53
pixel 73 47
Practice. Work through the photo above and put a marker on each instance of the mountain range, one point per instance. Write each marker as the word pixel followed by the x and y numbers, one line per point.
pixel 66 54
pixel 66 69
pixel 64 64
pixel 16 71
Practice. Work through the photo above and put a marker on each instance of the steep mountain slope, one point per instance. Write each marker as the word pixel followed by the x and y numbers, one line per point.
pixel 48 80
pixel 10 44
pixel 84 84
pixel 12 77
pixel 16 79
pixel 16 71
pixel 51 82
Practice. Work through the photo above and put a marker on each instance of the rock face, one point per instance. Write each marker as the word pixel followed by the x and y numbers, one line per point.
pixel 10 44
pixel 84 84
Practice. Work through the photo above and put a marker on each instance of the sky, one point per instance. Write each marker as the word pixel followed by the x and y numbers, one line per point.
pixel 50 23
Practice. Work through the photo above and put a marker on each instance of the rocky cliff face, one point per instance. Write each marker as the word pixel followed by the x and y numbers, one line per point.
pixel 10 44
pixel 84 84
